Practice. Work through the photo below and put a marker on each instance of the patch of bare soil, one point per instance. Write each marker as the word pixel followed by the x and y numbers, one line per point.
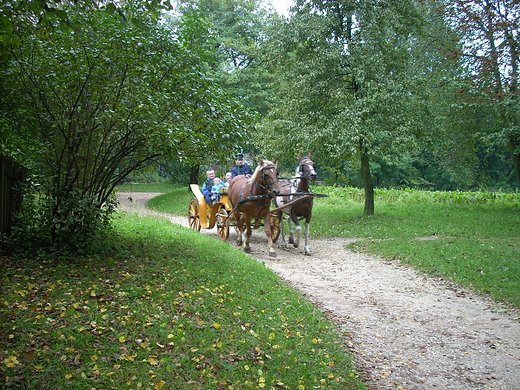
pixel 406 330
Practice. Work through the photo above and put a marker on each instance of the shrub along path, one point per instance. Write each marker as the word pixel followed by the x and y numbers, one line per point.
pixel 406 330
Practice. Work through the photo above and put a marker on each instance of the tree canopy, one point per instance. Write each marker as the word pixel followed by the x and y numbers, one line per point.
pixel 350 83
pixel 99 92
pixel 490 32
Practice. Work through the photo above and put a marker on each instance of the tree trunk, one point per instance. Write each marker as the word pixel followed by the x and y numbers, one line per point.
pixel 511 118
pixel 515 157
pixel 194 175
pixel 368 182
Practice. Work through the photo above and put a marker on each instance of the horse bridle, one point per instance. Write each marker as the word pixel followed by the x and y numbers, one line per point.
pixel 261 186
pixel 269 187
pixel 305 161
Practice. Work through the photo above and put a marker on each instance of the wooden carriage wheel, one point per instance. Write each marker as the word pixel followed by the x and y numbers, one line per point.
pixel 223 224
pixel 275 222
pixel 193 215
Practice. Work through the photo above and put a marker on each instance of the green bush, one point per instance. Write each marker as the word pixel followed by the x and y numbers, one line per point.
pixel 76 225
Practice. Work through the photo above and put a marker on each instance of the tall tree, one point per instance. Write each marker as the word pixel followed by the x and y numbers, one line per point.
pixel 238 27
pixel 350 87
pixel 490 31
pixel 104 91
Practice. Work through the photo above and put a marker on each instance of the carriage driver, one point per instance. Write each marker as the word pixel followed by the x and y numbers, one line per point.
pixel 240 167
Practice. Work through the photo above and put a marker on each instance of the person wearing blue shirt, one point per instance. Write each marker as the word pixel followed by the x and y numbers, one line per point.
pixel 240 167
pixel 207 185
pixel 215 190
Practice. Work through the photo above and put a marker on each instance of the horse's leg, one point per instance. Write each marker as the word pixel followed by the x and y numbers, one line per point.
pixel 298 235
pixel 284 244
pixel 240 228
pixel 291 231
pixel 247 231
pixel 307 250
pixel 270 244
pixel 296 240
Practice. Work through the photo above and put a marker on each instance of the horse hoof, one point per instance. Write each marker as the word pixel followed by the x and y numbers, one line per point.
pixel 247 250
pixel 308 253
pixel 272 254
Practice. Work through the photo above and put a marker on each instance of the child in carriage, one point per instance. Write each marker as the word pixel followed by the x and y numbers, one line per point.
pixel 215 190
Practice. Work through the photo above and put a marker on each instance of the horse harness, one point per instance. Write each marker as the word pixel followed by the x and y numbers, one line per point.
pixel 298 193
pixel 241 199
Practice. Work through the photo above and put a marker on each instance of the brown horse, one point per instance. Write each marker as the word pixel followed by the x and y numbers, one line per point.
pixel 298 188
pixel 251 199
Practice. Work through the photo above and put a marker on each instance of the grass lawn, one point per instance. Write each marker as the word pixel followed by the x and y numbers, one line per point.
pixel 469 239
pixel 178 310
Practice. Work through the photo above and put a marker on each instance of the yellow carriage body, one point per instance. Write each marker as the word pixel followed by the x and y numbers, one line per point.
pixel 202 215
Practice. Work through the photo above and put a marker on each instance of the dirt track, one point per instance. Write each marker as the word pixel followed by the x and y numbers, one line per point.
pixel 406 330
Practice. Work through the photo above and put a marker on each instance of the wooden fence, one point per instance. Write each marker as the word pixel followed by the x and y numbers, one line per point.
pixel 10 194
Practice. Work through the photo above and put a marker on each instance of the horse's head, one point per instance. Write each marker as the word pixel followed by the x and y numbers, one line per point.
pixel 266 176
pixel 306 168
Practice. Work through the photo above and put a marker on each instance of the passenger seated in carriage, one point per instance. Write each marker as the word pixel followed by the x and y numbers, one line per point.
pixel 228 179
pixel 208 185
pixel 215 190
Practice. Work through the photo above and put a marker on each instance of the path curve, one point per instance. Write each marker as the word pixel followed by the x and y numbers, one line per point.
pixel 406 330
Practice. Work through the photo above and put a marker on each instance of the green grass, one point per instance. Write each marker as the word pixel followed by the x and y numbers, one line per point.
pixel 176 309
pixel 179 310
pixel 474 236
pixel 147 187
pixel 174 202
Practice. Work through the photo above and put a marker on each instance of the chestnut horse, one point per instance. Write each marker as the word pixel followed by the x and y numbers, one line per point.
pixel 251 200
pixel 298 187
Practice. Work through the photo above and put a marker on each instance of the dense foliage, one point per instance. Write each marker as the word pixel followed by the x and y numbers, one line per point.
pixel 377 93
pixel 353 85
pixel 489 31
pixel 97 93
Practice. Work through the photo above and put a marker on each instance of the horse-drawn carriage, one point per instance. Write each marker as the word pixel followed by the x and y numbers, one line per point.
pixel 249 199
pixel 203 215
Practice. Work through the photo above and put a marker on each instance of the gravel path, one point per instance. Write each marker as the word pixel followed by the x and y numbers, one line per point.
pixel 406 330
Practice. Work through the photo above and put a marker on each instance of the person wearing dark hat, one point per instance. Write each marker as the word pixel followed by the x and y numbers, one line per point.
pixel 240 167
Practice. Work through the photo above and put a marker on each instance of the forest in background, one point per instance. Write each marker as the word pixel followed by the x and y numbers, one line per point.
pixel 424 93
pixel 395 94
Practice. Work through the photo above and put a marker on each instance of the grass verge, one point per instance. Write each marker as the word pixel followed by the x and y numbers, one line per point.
pixel 179 310
pixel 147 187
